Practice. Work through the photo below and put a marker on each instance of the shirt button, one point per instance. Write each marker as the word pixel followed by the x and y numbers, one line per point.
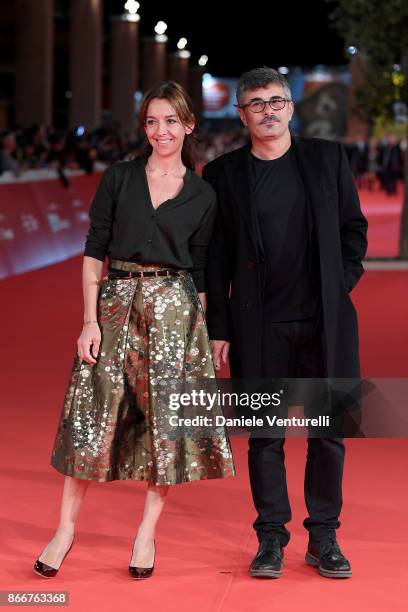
pixel 149 241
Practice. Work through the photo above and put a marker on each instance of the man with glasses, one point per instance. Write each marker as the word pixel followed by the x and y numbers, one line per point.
pixel 287 250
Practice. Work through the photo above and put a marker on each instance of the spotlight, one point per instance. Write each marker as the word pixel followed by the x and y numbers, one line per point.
pixel 182 43
pixel 131 7
pixel 160 29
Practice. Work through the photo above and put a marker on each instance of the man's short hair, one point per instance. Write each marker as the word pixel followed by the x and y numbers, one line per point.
pixel 261 77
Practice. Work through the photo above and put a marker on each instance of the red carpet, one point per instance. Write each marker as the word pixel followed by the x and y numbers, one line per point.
pixel 205 540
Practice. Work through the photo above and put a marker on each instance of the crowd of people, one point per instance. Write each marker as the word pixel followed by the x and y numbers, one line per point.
pixel 39 147
pixel 376 164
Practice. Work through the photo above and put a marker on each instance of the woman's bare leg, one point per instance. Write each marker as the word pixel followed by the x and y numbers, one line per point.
pixel 143 549
pixel 72 497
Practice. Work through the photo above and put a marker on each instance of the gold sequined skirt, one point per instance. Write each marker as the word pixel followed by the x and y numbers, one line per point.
pixel 115 419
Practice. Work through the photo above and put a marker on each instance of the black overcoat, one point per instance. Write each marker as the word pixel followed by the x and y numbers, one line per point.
pixel 236 268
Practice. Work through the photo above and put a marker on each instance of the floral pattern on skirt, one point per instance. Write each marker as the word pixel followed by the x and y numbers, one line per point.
pixel 114 423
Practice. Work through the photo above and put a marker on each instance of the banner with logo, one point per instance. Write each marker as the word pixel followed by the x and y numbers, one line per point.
pixel 43 222
pixel 219 97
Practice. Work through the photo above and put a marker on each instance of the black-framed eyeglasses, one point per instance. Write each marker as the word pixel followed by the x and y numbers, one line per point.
pixel 258 106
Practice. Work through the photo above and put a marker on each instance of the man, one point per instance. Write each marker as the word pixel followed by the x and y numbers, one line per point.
pixel 286 251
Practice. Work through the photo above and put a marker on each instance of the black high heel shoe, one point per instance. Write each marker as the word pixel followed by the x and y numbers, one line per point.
pixel 47 571
pixel 140 573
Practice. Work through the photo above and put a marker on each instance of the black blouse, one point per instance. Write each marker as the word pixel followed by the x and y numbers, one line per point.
pixel 124 224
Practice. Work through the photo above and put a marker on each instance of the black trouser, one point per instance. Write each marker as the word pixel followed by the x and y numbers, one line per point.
pixel 293 349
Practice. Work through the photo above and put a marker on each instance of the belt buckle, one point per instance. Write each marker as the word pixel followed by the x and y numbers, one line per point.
pixel 141 274
pixel 156 273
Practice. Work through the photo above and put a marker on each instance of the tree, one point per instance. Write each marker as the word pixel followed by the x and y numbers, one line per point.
pixel 379 30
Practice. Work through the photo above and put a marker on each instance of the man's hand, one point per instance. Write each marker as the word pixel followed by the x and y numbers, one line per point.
pixel 203 300
pixel 220 350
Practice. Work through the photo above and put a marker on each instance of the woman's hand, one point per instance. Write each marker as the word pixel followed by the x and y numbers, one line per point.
pixel 90 337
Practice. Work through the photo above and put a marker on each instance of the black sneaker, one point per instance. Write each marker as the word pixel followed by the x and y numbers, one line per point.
pixel 328 558
pixel 268 562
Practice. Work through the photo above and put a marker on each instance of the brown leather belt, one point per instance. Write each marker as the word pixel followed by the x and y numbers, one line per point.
pixel 115 274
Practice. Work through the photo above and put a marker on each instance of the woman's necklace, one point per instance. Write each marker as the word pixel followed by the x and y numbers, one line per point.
pixel 161 173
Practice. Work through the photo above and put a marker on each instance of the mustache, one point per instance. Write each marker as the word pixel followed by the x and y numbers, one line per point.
pixel 269 118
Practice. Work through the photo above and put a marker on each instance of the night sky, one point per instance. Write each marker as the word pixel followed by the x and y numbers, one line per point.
pixel 278 33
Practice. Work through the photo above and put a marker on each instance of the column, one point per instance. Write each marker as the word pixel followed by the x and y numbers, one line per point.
pixel 154 69
pixel 86 62
pixel 34 61
pixel 178 69
pixel 124 71
pixel 195 89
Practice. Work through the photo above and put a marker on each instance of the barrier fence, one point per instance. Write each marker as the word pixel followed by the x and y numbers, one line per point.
pixel 43 222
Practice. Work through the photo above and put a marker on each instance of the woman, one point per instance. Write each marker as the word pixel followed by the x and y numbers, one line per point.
pixel 144 332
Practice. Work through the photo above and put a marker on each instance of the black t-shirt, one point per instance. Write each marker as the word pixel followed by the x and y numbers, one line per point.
pixel 279 197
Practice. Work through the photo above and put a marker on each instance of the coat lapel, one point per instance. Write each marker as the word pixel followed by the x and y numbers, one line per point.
pixel 237 172
pixel 310 165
